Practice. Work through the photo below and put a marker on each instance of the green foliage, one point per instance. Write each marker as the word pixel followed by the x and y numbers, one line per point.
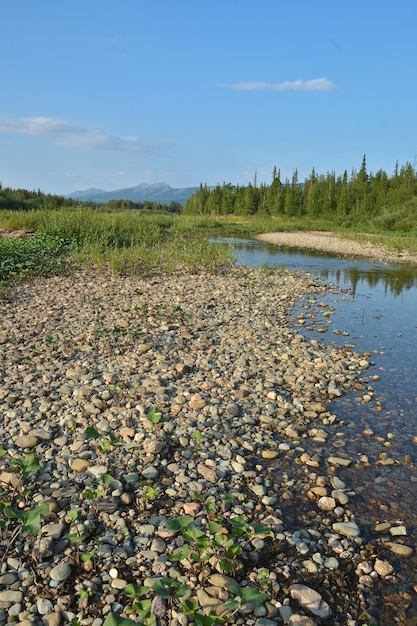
pixel 154 416
pixel 15 518
pixel 113 619
pixel 40 255
pixel 244 596
pixel 210 547
pixel 363 198
pixel 29 521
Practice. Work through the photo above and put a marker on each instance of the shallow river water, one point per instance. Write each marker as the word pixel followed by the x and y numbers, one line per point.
pixel 373 311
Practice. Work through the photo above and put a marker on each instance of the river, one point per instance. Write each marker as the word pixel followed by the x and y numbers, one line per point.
pixel 372 311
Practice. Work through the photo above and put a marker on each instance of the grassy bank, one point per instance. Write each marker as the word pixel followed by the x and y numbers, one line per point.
pixel 123 243
pixel 129 242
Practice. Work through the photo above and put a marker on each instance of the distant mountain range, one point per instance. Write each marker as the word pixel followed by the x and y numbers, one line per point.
pixel 156 192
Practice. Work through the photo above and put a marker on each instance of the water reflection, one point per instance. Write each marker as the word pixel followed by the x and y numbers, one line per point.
pixel 349 273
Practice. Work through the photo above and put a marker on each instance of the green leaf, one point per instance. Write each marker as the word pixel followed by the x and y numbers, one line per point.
pixel 179 523
pixel 214 527
pixel 28 466
pixel 231 605
pixel 30 520
pixel 181 554
pixel 194 535
pixel 261 529
pixel 249 595
pixel 77 538
pixel 91 432
pixel 106 479
pixel 154 416
pixel 197 436
pixel 170 588
pixel 226 565
pixel 72 515
pixel 134 591
pixel 204 620
pixel 234 551
pixel 113 619
pixel 2 452
pixel 188 607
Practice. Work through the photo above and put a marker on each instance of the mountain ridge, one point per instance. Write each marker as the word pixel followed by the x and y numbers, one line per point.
pixel 153 192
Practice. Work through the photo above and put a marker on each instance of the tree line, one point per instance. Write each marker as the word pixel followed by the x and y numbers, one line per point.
pixel 24 200
pixel 345 198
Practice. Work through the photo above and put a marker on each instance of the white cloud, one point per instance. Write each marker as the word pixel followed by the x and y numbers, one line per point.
pixel 315 84
pixel 65 134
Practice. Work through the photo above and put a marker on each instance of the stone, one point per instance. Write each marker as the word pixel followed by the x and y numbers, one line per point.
pixel 270 455
pixel 27 441
pixel 210 604
pixel 44 606
pixel 10 596
pixel 336 460
pixel 383 568
pixel 399 549
pixel 221 580
pixel 52 619
pixel 325 503
pixel 80 465
pixel 60 572
pixel 340 496
pixel 150 472
pixel 310 599
pixel 347 529
pixel 301 620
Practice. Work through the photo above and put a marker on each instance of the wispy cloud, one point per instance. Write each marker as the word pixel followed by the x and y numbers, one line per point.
pixel 63 133
pixel 315 84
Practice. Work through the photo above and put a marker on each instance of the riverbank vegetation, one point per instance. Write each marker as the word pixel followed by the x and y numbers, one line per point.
pixel 374 202
pixel 126 237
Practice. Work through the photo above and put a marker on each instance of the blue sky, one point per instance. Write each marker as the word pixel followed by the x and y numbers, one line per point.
pixel 113 93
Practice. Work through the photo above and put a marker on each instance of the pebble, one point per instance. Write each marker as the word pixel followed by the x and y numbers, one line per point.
pixel 215 353
pixel 60 572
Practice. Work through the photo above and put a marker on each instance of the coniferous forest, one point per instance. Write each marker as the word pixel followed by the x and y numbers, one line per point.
pixel 387 202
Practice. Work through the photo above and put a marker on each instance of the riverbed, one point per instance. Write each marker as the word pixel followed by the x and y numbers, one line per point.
pixel 372 310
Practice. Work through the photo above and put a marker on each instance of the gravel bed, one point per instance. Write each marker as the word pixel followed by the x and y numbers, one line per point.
pixel 178 395
pixel 332 243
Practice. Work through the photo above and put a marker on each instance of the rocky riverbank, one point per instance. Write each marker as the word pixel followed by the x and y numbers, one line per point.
pixel 332 243
pixel 164 404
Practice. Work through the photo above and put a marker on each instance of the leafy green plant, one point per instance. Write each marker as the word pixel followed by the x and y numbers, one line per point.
pixel 113 619
pixel 108 442
pixel 154 416
pixel 244 596
pixel 15 520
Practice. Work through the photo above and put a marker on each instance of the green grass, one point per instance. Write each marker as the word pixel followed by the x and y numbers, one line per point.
pixel 124 243
pixel 129 242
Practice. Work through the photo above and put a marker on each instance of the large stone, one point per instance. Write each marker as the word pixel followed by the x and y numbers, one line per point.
pixel 80 465
pixel 337 460
pixel 60 572
pixel 311 600
pixel 210 604
pixel 383 568
pixel 270 455
pixel 325 503
pixel 27 441
pixel 221 580
pixel 399 549
pixel 347 529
